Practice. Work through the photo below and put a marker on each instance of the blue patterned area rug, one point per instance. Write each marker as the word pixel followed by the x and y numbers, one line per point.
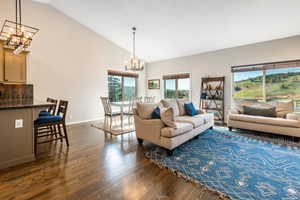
pixel 236 166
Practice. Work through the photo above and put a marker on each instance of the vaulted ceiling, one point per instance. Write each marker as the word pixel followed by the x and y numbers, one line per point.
pixel 173 28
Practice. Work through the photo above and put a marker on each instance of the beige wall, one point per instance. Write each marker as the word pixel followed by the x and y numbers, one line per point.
pixel 68 60
pixel 218 63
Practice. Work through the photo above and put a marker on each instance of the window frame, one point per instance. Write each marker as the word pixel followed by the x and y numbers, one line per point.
pixel 123 75
pixel 176 77
pixel 264 68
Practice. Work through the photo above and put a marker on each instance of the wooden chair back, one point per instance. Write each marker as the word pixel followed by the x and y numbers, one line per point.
pixel 62 109
pixel 149 99
pixel 133 102
pixel 52 108
pixel 106 105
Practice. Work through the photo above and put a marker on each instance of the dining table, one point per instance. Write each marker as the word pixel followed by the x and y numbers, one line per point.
pixel 121 105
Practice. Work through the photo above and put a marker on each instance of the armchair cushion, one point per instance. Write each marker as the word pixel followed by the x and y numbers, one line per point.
pixel 172 132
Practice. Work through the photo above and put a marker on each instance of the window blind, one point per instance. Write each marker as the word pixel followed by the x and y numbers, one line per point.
pixel 121 73
pixel 266 66
pixel 176 76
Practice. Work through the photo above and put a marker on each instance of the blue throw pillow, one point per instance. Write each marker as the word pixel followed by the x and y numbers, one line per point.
pixel 190 109
pixel 156 113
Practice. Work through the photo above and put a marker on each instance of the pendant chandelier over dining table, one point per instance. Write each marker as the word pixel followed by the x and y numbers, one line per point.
pixel 16 35
pixel 134 64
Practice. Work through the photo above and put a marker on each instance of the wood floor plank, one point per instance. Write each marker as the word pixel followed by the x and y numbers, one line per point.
pixel 95 167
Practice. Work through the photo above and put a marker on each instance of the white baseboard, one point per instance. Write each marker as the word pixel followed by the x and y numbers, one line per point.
pixel 85 121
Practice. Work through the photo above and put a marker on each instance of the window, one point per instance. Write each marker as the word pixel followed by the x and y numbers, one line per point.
pixel 177 86
pixel 122 86
pixel 268 82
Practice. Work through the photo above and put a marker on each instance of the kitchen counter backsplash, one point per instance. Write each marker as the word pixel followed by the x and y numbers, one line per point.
pixel 16 93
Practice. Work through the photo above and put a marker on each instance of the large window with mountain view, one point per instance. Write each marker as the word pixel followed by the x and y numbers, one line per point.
pixel 122 86
pixel 268 82
pixel 177 86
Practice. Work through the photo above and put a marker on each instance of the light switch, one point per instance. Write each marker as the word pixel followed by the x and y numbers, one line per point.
pixel 19 123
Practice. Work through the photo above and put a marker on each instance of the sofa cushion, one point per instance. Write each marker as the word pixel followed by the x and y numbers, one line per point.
pixel 145 110
pixel 196 120
pixel 180 103
pixel 171 103
pixel 265 120
pixel 283 108
pixel 167 116
pixel 181 128
pixel 259 111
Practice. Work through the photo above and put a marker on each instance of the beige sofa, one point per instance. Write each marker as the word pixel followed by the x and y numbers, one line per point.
pixel 155 131
pixel 285 123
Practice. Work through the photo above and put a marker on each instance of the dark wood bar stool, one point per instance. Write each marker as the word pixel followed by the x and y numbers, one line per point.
pixel 57 121
pixel 52 109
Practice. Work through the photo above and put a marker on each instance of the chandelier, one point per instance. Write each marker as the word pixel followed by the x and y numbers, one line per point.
pixel 16 35
pixel 134 64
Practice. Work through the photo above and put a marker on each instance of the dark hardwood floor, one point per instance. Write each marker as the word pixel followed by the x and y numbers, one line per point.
pixel 95 167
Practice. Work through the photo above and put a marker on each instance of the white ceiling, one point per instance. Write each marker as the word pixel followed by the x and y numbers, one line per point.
pixel 173 28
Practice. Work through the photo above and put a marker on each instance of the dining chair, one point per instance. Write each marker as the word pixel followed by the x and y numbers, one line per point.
pixel 108 113
pixel 58 121
pixel 149 99
pixel 132 104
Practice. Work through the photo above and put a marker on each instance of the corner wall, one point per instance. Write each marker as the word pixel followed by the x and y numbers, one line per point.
pixel 219 63
pixel 67 60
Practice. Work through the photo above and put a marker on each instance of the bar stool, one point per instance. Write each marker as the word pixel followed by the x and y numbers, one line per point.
pixel 57 121
pixel 52 109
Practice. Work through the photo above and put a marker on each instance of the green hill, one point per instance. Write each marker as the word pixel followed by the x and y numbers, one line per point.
pixel 278 86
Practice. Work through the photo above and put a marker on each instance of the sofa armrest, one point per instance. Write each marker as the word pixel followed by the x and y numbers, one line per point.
pixel 149 130
pixel 233 111
pixel 293 116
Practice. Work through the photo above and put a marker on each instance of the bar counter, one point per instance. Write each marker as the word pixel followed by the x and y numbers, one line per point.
pixel 16 131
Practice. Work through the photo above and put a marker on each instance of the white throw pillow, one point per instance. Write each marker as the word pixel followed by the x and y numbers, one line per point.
pixel 167 116
pixel 171 103
pixel 283 108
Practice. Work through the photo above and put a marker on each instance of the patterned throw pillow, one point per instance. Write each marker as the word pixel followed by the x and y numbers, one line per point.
pixel 167 116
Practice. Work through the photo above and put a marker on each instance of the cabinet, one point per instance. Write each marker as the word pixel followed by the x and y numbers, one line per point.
pixel 12 67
